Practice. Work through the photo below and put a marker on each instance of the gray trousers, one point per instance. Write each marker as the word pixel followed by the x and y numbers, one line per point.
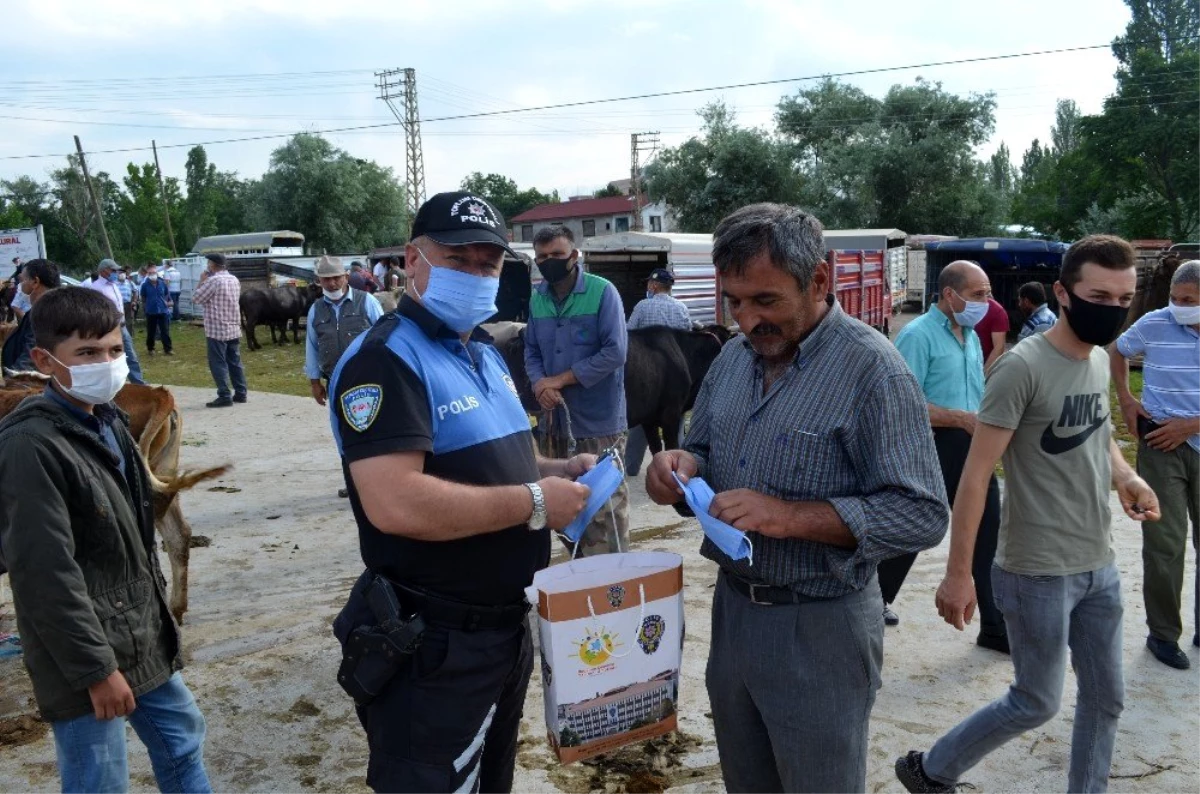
pixel 792 687
pixel 1047 616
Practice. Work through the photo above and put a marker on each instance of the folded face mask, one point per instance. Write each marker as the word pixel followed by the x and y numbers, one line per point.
pixel 604 479
pixel 733 542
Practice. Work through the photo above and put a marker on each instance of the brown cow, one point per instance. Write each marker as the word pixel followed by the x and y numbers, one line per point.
pixel 155 424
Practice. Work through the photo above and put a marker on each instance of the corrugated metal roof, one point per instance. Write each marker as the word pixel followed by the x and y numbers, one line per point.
pixel 225 243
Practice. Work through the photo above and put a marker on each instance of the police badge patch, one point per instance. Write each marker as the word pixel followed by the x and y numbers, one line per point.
pixel 616 596
pixel 360 405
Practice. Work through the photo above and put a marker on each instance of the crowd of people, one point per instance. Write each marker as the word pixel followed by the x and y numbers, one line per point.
pixel 840 454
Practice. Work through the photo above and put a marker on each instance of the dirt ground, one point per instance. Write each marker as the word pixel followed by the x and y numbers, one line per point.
pixel 283 554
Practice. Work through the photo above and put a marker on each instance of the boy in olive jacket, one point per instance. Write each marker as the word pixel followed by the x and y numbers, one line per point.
pixel 77 535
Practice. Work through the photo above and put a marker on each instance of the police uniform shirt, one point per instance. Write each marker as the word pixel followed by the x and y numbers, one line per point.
pixel 409 384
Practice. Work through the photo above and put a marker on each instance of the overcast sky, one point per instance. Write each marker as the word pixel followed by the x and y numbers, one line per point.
pixel 122 72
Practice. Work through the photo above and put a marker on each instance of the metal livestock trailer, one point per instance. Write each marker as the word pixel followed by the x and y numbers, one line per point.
pixel 627 259
pixel 891 241
pixel 1009 263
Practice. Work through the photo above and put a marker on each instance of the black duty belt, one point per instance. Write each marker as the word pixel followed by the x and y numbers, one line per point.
pixel 460 614
pixel 766 594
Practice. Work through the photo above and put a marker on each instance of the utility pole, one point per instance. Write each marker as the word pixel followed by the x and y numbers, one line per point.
pixel 639 142
pixel 163 190
pixel 95 201
pixel 398 89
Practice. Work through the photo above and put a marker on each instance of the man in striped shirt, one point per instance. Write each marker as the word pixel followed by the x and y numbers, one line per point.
pixel 815 436
pixel 219 292
pixel 1167 424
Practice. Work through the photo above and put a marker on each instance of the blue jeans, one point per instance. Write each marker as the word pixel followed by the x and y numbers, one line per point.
pixel 92 754
pixel 174 306
pixel 135 366
pixel 1045 616
pixel 225 364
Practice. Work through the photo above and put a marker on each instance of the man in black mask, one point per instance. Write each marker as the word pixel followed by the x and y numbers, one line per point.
pixel 575 347
pixel 1046 410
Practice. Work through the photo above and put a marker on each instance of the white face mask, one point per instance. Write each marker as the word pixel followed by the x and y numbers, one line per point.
pixel 334 295
pixel 1185 315
pixel 152 276
pixel 96 384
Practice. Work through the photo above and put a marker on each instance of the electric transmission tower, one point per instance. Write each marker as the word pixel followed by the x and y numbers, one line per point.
pixel 639 142
pixel 398 88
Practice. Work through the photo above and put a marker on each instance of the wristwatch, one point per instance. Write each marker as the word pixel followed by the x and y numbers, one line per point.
pixel 538 519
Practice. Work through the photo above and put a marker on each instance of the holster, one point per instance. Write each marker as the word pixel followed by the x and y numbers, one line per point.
pixel 372 655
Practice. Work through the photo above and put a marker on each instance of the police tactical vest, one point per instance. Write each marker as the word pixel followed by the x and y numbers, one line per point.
pixel 336 330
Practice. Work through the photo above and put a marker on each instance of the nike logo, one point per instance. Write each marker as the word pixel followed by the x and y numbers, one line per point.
pixel 1057 445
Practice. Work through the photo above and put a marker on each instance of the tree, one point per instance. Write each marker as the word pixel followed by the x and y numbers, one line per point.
pixel 609 191
pixel 216 200
pixel 340 203
pixel 1144 143
pixel 1067 132
pixel 726 167
pixel 504 194
pixel 905 161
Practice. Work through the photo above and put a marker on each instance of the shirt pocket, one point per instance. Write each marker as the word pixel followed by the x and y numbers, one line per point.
pixel 809 465
pixel 585 332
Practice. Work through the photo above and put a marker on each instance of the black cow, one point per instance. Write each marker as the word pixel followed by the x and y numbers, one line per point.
pixel 274 308
pixel 663 372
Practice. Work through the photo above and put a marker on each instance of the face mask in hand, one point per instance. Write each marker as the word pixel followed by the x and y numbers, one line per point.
pixel 96 384
pixel 604 479
pixel 733 542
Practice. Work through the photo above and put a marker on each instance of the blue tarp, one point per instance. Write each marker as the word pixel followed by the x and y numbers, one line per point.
pixel 991 252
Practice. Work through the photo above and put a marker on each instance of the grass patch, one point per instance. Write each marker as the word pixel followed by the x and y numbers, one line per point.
pixel 278 369
pixel 1124 436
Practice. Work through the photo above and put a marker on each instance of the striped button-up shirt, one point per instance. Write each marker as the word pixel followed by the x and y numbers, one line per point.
pixel 1171 367
pixel 660 310
pixel 219 294
pixel 846 424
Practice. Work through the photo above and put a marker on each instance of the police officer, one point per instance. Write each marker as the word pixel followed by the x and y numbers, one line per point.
pixel 452 506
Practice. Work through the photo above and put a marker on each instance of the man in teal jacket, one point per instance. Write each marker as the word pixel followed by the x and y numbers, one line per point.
pixel 77 535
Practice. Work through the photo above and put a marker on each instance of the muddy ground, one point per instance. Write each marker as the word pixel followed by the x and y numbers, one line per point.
pixel 283 554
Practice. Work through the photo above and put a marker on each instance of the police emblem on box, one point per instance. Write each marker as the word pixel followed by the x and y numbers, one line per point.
pixel 360 405
pixel 616 596
pixel 651 633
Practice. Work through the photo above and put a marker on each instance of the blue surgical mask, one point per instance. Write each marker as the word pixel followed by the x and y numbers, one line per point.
pixel 733 542
pixel 111 278
pixel 603 479
pixel 972 314
pixel 458 299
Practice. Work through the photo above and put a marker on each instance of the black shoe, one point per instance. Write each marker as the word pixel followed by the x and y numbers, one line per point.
pixel 239 398
pixel 1168 653
pixel 911 774
pixel 343 493
pixel 993 642
pixel 1196 639
pixel 168 353
pixel 220 402
pixel 150 352
pixel 890 618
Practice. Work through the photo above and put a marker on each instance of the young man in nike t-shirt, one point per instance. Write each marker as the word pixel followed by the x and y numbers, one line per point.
pixel 1045 409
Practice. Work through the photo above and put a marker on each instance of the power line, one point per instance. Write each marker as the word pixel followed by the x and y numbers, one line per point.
pixel 630 98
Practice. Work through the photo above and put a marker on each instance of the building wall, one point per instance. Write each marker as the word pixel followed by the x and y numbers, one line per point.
pixel 606 716
pixel 604 224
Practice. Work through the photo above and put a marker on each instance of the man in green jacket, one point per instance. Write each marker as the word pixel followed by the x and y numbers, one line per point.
pixel 77 535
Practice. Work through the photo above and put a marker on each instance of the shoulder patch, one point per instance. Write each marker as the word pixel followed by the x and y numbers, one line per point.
pixel 360 405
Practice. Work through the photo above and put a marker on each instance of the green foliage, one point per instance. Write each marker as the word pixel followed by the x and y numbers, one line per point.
pixel 725 167
pixel 340 203
pixel 905 161
pixel 504 194
pixel 609 191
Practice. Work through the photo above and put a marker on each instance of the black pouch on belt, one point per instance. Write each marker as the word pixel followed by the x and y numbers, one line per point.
pixel 374 654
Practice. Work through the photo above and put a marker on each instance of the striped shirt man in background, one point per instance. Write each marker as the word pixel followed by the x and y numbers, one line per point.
pixel 1167 424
